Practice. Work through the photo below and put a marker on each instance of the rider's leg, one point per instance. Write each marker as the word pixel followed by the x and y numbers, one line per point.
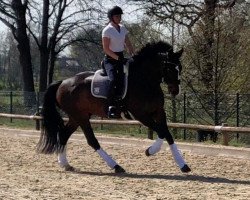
pixel 112 74
pixel 111 99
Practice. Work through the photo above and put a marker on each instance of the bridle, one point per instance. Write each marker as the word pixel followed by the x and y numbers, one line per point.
pixel 168 65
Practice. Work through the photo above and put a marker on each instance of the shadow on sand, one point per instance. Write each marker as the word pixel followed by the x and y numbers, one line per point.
pixel 184 177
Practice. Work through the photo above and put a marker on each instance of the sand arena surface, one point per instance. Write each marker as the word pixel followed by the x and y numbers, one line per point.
pixel 25 174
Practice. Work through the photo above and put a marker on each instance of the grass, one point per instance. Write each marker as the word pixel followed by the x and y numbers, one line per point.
pixel 17 123
pixel 114 130
pixel 134 131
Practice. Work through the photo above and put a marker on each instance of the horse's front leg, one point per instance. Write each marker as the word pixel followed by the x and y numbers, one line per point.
pixel 162 130
pixel 93 142
pixel 155 147
pixel 160 127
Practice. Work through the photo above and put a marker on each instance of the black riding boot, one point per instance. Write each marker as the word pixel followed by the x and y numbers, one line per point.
pixel 111 101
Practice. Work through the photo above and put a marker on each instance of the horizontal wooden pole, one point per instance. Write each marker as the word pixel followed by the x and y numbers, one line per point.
pixel 134 122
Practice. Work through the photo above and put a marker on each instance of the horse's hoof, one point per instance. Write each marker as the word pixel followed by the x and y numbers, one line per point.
pixel 185 169
pixel 69 168
pixel 119 169
pixel 147 152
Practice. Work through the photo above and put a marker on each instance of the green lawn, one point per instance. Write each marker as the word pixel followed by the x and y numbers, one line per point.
pixel 135 131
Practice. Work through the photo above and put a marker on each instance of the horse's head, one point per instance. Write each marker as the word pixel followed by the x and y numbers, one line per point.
pixel 158 61
pixel 172 71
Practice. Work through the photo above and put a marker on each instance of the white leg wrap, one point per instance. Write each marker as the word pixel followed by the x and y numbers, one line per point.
pixel 62 158
pixel 177 156
pixel 110 162
pixel 156 146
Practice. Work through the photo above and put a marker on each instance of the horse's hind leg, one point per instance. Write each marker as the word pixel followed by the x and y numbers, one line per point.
pixel 93 142
pixel 70 127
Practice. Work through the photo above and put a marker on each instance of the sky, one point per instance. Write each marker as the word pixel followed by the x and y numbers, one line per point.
pixel 129 11
pixel 2 27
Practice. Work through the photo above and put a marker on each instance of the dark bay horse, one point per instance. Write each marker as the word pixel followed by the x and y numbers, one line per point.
pixel 154 63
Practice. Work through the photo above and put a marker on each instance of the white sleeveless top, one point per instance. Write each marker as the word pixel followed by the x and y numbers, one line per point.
pixel 117 39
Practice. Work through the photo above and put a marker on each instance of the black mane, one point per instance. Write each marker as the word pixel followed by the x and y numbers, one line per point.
pixel 152 49
pixel 148 64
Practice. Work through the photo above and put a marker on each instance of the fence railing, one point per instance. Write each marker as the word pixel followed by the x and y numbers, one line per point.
pixel 187 108
pixel 233 109
pixel 220 129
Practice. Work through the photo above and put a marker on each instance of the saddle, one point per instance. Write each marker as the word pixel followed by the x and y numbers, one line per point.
pixel 100 84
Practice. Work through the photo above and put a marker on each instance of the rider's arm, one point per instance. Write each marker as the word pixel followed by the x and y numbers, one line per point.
pixel 105 45
pixel 129 46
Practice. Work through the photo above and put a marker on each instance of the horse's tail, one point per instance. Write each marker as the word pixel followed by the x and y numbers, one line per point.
pixel 52 125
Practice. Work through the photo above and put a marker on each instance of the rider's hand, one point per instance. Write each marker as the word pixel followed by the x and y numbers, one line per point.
pixel 123 60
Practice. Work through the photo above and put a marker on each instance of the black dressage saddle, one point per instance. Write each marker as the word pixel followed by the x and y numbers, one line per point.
pixel 100 84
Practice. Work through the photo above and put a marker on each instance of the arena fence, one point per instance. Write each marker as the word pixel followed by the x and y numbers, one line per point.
pixel 224 129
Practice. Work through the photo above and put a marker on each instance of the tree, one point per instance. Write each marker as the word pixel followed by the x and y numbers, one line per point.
pixel 52 30
pixel 13 15
pixel 143 32
pixel 88 49
pixel 228 52
pixel 60 18
pixel 10 69
pixel 208 42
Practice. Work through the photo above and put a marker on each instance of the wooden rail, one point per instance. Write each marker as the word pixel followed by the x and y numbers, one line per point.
pixel 220 129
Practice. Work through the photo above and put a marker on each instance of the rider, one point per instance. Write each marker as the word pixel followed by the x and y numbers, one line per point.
pixel 114 40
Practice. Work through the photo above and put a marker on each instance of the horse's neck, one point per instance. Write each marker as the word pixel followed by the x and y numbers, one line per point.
pixel 142 81
pixel 140 76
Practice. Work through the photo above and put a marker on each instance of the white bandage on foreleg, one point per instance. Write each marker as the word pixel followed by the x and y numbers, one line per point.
pixel 156 146
pixel 62 158
pixel 111 163
pixel 177 156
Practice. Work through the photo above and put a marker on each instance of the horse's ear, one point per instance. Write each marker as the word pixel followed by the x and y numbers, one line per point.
pixel 179 53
